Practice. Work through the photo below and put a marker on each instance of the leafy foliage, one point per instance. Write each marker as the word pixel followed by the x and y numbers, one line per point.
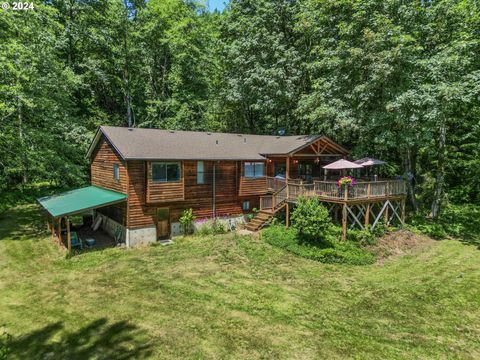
pixel 211 227
pixel 459 221
pixel 186 220
pixel 397 80
pixel 333 251
pixel 311 219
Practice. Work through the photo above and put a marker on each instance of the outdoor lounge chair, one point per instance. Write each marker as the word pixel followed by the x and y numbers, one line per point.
pixel 75 240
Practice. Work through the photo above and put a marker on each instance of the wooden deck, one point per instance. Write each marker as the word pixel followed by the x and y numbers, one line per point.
pixel 362 205
pixel 329 191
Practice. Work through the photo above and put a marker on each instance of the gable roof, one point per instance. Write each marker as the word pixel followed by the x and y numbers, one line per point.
pixel 155 144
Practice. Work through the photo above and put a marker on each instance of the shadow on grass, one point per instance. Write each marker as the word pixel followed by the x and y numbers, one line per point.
pixel 97 340
pixel 24 222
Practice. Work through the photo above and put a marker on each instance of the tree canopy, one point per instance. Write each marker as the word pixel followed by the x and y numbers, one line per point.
pixel 398 80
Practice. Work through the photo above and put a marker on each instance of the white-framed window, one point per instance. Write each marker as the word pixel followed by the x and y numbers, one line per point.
pixel 116 172
pixel 200 172
pixel 246 205
pixel 254 169
pixel 166 171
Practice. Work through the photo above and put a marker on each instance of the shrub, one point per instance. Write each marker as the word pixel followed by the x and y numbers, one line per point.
pixel 331 251
pixel 187 221
pixel 211 227
pixel 311 219
pixel 461 221
pixel 362 237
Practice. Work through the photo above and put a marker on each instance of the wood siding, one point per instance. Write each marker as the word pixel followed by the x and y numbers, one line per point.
pixel 101 168
pixel 164 191
pixel 251 186
pixel 139 215
pixel 198 197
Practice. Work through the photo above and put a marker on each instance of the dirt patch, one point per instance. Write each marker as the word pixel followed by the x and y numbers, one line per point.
pixel 399 243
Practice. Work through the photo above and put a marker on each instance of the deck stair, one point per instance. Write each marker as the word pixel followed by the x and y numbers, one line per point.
pixel 269 205
pixel 262 218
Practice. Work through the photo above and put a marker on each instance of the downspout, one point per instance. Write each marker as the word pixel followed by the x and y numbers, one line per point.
pixel 213 193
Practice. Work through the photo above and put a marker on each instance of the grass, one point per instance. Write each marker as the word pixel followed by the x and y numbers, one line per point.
pixel 231 297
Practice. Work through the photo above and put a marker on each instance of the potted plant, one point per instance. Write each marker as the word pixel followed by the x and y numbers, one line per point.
pixel 345 184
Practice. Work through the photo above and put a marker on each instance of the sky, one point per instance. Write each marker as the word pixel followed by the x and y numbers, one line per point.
pixel 217 4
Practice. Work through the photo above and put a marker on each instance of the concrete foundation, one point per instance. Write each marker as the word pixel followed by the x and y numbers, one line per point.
pixel 143 236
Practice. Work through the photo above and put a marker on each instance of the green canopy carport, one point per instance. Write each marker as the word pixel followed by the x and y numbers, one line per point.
pixel 77 201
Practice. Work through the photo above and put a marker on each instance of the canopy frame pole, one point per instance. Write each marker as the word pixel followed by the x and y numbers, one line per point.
pixel 69 240
pixel 59 233
pixel 52 228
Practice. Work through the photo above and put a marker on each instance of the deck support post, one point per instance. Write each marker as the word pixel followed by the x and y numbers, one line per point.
pixel 69 240
pixel 287 215
pixel 344 222
pixel 367 215
pixel 385 219
pixel 402 213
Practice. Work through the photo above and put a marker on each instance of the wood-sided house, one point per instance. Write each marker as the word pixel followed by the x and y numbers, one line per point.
pixel 161 173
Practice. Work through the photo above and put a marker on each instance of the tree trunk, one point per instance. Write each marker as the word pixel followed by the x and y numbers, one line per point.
pixel 440 176
pixel 22 142
pixel 411 169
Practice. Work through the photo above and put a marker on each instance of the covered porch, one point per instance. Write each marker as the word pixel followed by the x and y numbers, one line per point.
pixel 96 230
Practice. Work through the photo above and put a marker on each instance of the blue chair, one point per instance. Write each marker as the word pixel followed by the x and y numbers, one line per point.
pixel 75 240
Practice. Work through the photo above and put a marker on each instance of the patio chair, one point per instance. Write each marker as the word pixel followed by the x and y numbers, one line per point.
pixel 75 240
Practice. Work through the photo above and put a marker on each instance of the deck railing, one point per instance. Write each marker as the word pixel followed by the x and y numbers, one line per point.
pixel 274 184
pixel 361 190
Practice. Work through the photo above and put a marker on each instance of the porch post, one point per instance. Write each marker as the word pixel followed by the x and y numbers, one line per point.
pixel 69 240
pixel 287 174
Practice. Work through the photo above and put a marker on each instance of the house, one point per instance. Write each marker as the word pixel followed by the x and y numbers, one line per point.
pixel 143 179
pixel 165 172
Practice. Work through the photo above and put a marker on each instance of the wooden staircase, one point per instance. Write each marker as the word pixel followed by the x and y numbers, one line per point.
pixel 262 218
pixel 269 205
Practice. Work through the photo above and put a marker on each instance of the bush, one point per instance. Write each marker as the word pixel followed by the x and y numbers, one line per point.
pixel 187 221
pixel 311 219
pixel 330 251
pixel 211 227
pixel 362 237
pixel 460 221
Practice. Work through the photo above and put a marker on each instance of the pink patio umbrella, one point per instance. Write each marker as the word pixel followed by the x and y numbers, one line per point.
pixel 342 164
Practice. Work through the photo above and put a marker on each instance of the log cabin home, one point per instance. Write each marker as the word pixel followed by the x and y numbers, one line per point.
pixel 143 179
pixel 163 172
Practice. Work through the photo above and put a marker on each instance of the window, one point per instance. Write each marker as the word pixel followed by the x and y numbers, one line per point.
pixel 254 169
pixel 116 172
pixel 280 169
pixel 200 173
pixel 246 205
pixel 166 172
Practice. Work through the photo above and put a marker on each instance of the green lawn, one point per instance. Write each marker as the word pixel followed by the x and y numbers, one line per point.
pixel 231 297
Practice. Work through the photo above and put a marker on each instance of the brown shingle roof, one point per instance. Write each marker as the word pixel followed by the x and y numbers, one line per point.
pixel 145 144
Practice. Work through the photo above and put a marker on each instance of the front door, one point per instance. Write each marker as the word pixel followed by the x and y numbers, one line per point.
pixel 163 223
